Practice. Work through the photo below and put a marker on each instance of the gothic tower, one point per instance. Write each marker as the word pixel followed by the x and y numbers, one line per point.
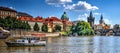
pixel 91 19
pixel 101 21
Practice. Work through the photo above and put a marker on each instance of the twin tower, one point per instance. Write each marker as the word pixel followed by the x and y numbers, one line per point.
pixel 91 20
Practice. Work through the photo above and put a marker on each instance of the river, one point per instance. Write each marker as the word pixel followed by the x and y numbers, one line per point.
pixel 81 44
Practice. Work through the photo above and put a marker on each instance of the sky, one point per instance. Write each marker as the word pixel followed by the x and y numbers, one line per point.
pixel 76 9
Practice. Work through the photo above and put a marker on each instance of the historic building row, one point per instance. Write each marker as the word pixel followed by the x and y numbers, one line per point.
pixel 50 21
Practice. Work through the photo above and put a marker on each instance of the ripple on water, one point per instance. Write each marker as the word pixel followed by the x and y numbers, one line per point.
pixel 95 44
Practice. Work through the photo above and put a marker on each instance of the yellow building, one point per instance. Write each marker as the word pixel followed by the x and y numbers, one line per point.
pixel 52 22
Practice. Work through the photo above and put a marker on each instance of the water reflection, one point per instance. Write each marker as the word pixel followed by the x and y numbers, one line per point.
pixel 95 44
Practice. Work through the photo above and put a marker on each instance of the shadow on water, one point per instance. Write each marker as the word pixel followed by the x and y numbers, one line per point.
pixel 80 44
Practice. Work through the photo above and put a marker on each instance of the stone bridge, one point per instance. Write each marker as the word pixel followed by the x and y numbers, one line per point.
pixel 107 32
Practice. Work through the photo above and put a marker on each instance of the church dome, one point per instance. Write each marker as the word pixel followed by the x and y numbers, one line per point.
pixel 64 16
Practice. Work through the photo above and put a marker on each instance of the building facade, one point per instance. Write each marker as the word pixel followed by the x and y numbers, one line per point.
pixel 51 22
pixel 5 12
pixel 31 21
pixel 102 24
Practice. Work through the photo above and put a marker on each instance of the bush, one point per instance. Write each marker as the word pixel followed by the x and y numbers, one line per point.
pixel 82 28
pixel 44 28
pixel 36 27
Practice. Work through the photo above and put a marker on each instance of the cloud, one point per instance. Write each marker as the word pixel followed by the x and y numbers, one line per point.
pixel 11 8
pixel 54 2
pixel 81 6
pixel 97 13
pixel 83 17
pixel 96 21
pixel 107 21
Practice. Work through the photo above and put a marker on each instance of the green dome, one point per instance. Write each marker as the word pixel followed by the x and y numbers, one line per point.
pixel 64 16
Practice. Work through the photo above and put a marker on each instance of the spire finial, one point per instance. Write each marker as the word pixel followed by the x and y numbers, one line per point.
pixel 101 17
pixel 64 12
pixel 91 15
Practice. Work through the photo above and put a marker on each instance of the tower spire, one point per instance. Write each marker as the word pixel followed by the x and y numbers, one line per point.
pixel 101 20
pixel 91 15
pixel 101 17
pixel 64 12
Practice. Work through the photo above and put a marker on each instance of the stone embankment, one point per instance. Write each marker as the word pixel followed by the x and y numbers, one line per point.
pixel 28 33
pixel 2 43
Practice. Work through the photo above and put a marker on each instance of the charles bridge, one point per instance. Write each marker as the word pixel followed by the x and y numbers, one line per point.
pixel 107 32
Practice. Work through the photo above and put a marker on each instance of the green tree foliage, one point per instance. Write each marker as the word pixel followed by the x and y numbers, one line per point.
pixel 116 26
pixel 44 28
pixel 28 26
pixel 36 27
pixel 82 28
pixel 13 23
pixel 2 22
pixel 57 28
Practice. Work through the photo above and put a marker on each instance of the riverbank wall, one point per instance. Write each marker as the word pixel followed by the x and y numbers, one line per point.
pixel 19 33
pixel 2 43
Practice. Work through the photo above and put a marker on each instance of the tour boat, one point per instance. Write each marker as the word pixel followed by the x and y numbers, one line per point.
pixel 26 41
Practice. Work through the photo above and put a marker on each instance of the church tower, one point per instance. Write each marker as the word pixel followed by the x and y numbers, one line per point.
pixel 91 19
pixel 65 17
pixel 101 21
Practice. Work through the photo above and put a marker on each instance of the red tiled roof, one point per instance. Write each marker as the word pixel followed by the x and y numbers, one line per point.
pixel 48 20
pixel 25 18
pixel 38 19
pixel 55 19
pixel 69 23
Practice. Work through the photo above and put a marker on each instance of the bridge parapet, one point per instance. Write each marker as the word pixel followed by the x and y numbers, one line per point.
pixel 107 31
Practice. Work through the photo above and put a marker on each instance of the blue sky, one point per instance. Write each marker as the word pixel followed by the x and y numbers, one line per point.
pixel 76 9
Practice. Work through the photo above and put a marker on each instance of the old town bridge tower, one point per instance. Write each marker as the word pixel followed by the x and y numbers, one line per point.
pixel 91 19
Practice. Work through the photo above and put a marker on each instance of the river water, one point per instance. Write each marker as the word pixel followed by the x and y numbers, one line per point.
pixel 87 44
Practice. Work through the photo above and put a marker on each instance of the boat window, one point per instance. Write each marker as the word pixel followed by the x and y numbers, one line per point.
pixel 18 41
pixel 22 40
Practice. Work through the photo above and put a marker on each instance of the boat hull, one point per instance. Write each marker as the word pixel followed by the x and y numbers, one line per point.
pixel 9 44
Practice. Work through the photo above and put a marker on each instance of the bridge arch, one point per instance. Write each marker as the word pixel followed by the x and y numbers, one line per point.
pixel 104 32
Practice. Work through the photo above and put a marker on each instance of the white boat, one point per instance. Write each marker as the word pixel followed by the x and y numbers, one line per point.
pixel 27 41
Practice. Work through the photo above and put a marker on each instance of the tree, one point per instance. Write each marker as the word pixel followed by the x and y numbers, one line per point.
pixel 116 26
pixel 82 28
pixel 10 23
pixel 2 22
pixel 44 28
pixel 24 25
pixel 72 28
pixel 57 28
pixel 36 27
pixel 28 26
pixel 13 23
